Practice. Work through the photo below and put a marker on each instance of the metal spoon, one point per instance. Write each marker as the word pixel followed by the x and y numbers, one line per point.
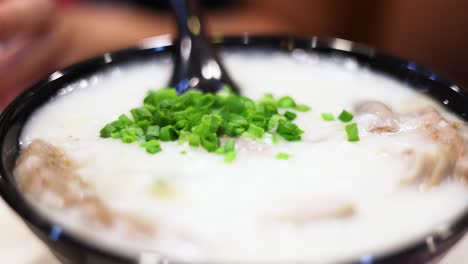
pixel 197 65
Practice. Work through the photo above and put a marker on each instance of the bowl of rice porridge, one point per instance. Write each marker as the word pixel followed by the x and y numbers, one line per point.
pixel 332 153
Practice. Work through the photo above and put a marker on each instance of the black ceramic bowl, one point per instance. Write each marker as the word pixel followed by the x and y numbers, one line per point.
pixel 70 249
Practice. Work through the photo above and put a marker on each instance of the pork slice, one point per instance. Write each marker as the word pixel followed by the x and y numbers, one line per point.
pixel 444 158
pixel 376 117
pixel 44 171
pixel 316 210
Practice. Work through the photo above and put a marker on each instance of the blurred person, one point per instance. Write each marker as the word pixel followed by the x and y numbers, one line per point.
pixel 40 36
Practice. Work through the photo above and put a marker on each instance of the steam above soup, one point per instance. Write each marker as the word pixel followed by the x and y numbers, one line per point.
pixel 382 174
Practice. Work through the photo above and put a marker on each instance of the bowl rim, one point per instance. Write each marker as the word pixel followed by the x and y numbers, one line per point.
pixel 163 45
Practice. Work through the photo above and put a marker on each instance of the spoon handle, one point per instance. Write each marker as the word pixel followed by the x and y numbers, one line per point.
pixel 196 62
pixel 188 17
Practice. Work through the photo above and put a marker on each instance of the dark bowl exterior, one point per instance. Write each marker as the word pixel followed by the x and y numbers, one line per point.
pixel 70 249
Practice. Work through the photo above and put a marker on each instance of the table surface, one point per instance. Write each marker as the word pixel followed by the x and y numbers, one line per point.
pixel 18 245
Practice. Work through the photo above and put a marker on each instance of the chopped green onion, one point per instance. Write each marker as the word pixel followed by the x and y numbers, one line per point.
pixel 141 113
pixel 220 150
pixel 282 156
pixel 290 115
pixel 194 140
pixel 130 135
pixel 255 131
pixel 118 125
pixel 267 108
pixel 156 97
pixel 125 120
pixel 274 139
pixel 328 116
pixel 202 119
pixel 268 97
pixel 167 133
pixel 235 125
pixel 286 102
pixel 230 157
pixel 126 138
pixel 345 116
pixel 181 125
pixel 107 131
pixel 289 131
pixel 274 121
pixel 153 146
pixel 211 122
pixel 352 132
pixel 116 135
pixel 258 120
pixel 230 145
pixel 209 141
pixel 302 108
pixel 143 124
pixel 184 136
pixel 152 132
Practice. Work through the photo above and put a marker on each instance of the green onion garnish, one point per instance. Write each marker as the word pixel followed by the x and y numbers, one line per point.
pixel 328 116
pixel 286 102
pixel 289 131
pixel 152 132
pixel 353 132
pixel 345 116
pixel 168 133
pixel 301 108
pixel 274 121
pixel 230 145
pixel 152 146
pixel 131 134
pixel 107 131
pixel 209 141
pixel 141 114
pixel 274 139
pixel 202 119
pixel 220 150
pixel 255 131
pixel 290 115
pixel 230 157
pixel 282 156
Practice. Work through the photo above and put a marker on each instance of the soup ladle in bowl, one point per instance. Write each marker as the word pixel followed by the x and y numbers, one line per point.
pixel 196 63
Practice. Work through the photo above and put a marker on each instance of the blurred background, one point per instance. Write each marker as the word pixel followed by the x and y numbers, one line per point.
pixel 60 32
